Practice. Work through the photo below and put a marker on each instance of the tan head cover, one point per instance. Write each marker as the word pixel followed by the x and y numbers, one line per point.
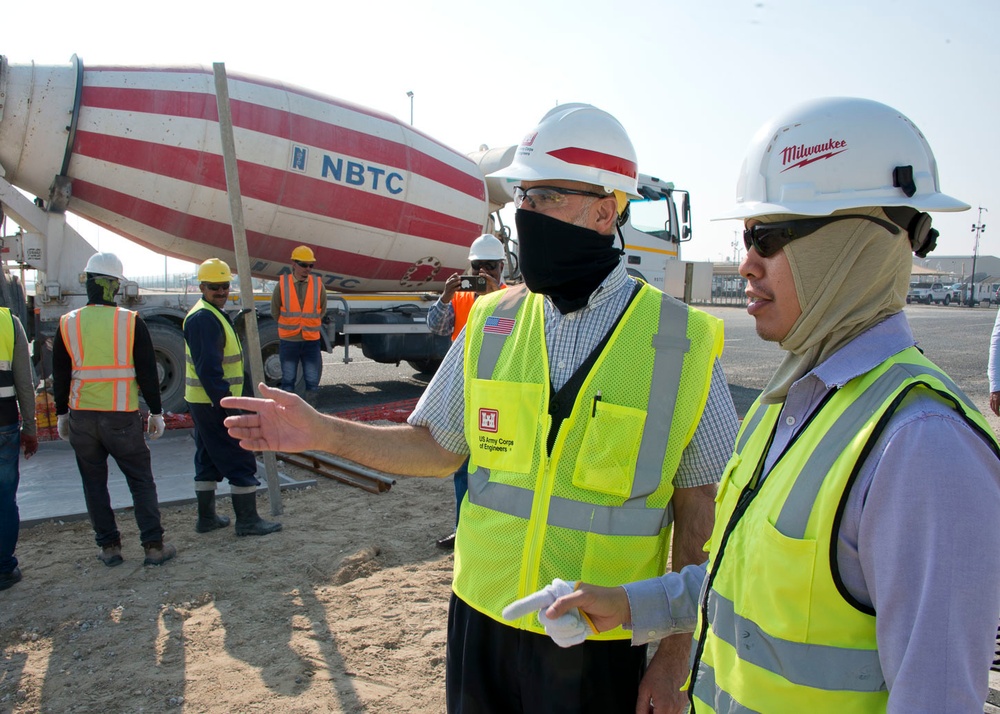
pixel 849 276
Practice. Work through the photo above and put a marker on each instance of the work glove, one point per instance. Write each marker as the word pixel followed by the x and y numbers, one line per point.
pixel 156 426
pixel 62 426
pixel 566 631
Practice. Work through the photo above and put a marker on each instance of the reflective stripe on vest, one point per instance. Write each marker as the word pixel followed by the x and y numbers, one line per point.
pixel 780 633
pixel 799 504
pixel 295 318
pixel 705 689
pixel 632 518
pixel 232 360
pixel 7 390
pixel 811 665
pixel 100 340
pixel 594 503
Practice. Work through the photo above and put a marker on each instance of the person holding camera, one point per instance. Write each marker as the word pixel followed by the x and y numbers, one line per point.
pixel 448 316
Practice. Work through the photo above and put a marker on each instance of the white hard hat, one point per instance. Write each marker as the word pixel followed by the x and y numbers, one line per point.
pixel 576 142
pixel 838 153
pixel 486 247
pixel 105 264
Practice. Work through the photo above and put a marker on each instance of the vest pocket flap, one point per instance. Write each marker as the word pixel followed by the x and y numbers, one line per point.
pixel 607 458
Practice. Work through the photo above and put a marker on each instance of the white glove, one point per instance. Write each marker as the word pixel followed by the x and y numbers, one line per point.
pixel 62 426
pixel 156 426
pixel 567 630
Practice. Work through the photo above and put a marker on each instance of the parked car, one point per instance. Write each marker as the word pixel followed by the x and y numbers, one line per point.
pixel 927 294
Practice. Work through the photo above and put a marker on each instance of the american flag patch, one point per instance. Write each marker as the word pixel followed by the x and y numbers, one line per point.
pixel 498 326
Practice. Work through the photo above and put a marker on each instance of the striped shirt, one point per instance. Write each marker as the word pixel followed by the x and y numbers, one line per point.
pixel 569 339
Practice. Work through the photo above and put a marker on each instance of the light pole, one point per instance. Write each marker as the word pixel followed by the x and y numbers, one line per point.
pixel 977 228
pixel 410 95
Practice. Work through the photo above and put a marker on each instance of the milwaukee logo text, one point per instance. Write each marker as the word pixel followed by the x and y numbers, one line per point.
pixel 803 155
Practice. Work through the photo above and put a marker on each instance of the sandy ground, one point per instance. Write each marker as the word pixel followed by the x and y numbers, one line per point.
pixel 344 610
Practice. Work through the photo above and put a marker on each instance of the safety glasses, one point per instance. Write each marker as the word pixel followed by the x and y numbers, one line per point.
pixel 217 286
pixel 304 265
pixel 543 198
pixel 768 238
pixel 485 264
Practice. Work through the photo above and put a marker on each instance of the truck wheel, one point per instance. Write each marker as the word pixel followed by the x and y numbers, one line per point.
pixel 947 300
pixel 269 343
pixel 168 345
pixel 425 366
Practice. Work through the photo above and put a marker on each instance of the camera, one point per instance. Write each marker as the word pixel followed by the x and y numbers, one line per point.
pixel 474 283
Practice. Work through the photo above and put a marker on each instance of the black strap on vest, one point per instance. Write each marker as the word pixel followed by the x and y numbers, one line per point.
pixel 561 402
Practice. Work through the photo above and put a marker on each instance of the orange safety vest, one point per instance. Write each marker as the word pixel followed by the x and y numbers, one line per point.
pixel 305 318
pixel 461 302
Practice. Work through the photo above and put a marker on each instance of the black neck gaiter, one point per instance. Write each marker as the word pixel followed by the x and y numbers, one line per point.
pixel 562 260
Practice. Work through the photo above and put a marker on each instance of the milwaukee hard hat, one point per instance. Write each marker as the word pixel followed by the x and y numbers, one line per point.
pixel 105 264
pixel 214 270
pixel 486 247
pixel 838 153
pixel 304 254
pixel 576 142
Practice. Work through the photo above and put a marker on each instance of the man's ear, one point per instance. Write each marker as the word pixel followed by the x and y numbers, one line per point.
pixel 606 215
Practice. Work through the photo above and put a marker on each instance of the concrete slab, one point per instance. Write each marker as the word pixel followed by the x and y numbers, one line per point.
pixel 50 485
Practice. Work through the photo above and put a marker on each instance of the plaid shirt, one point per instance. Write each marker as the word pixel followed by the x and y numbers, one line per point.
pixel 569 339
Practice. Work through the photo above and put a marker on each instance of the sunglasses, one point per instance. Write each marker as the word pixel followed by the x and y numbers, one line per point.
pixel 768 238
pixel 217 286
pixel 542 198
pixel 304 265
pixel 485 264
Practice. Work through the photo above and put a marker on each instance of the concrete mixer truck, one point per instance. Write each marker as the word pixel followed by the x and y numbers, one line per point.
pixel 389 211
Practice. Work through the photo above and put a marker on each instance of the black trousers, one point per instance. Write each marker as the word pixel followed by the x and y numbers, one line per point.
pixel 96 435
pixel 496 669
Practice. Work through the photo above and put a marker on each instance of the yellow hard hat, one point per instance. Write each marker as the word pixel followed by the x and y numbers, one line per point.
pixel 304 253
pixel 214 270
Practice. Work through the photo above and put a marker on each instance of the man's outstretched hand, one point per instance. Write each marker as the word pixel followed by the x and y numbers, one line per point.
pixel 280 421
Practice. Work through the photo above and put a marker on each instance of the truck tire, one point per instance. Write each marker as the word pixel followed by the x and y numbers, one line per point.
pixel 425 366
pixel 269 344
pixel 168 345
pixel 947 300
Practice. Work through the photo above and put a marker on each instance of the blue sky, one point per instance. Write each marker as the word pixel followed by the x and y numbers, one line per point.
pixel 690 81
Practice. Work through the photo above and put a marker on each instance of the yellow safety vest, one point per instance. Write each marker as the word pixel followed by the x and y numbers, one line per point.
pixel 232 360
pixel 295 318
pixel 7 390
pixel 100 340
pixel 779 634
pixel 598 508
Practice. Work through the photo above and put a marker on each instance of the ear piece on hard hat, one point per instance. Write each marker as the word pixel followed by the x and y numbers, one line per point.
pixel 923 237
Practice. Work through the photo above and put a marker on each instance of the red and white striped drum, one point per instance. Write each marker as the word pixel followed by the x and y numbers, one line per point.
pixel 384 206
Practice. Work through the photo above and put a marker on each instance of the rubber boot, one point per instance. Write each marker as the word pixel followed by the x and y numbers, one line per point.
pixel 247 520
pixel 208 519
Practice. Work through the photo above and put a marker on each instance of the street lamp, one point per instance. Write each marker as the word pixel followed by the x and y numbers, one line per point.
pixel 410 95
pixel 977 228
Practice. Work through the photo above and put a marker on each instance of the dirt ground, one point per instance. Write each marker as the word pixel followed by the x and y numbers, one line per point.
pixel 344 610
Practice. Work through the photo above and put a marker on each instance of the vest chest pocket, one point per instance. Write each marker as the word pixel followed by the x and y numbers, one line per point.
pixel 607 458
